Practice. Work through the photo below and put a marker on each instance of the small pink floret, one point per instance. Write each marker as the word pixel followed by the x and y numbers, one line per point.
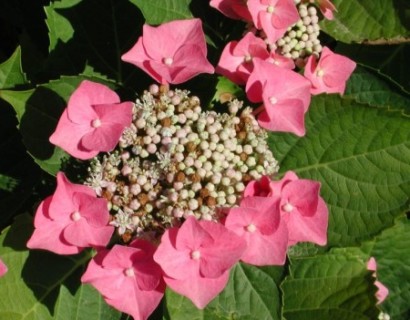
pixel 128 278
pixel 196 259
pixel 173 52
pixel 382 290
pixel 92 122
pixel 234 9
pixel 70 220
pixel 327 8
pixel 330 73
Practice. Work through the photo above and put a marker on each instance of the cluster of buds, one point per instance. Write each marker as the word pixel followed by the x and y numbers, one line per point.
pixel 301 39
pixel 176 161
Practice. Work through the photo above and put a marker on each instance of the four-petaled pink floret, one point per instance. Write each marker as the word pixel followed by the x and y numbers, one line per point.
pixel 196 258
pixel 128 278
pixel 173 52
pixel 330 73
pixel 70 220
pixel 92 122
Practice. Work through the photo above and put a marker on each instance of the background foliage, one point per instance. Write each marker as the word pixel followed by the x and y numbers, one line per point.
pixel 357 146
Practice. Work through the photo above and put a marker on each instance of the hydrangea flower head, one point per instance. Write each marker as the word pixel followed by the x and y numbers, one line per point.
pixel 3 268
pixel 196 258
pixel 236 59
pixel 92 122
pixel 330 73
pixel 285 95
pixel 173 52
pixel 257 220
pixel 70 220
pixel 234 9
pixel 273 16
pixel 128 278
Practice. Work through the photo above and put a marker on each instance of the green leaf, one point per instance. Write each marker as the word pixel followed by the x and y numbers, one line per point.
pixel 251 293
pixel 160 11
pixel 226 90
pixel 38 111
pixel 365 87
pixel 392 252
pixel 94 33
pixel 40 285
pixel 7 183
pixel 11 73
pixel 367 20
pixel 360 155
pixel 331 286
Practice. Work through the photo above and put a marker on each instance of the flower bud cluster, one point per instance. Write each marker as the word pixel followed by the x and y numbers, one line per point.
pixel 176 160
pixel 301 39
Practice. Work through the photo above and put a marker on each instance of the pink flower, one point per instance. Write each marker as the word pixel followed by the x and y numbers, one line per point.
pixel 327 8
pixel 257 221
pixel 71 219
pixel 382 291
pixel 3 268
pixel 196 259
pixel 330 73
pixel 236 62
pixel 259 188
pixel 302 209
pixel 285 95
pixel 92 122
pixel 128 278
pixel 281 61
pixel 273 16
pixel 234 9
pixel 173 52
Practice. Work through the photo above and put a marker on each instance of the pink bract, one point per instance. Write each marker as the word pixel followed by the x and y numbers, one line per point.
pixel 128 278
pixel 273 16
pixel 259 188
pixel 236 62
pixel 70 220
pixel 92 122
pixel 196 259
pixel 285 95
pixel 3 268
pixel 330 73
pixel 327 8
pixel 382 290
pixel 173 52
pixel 302 209
pixel 234 9
pixel 281 61
pixel 257 220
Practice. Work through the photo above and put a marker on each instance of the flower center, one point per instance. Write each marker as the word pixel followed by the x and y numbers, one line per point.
pixel 270 9
pixel 195 255
pixel 320 72
pixel 251 228
pixel 96 123
pixel 247 58
pixel 273 100
pixel 288 207
pixel 129 272
pixel 75 216
pixel 168 61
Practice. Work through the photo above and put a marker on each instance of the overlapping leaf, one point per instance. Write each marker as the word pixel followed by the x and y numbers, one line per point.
pixel 11 73
pixel 368 20
pixel 41 285
pixel 331 286
pixel 360 155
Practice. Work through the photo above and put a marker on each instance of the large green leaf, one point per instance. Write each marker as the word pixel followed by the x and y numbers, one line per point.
pixel 38 111
pixel 331 286
pixel 392 252
pixel 365 87
pixel 360 154
pixel 160 11
pixel 94 33
pixel 368 20
pixel 251 293
pixel 41 285
pixel 11 73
